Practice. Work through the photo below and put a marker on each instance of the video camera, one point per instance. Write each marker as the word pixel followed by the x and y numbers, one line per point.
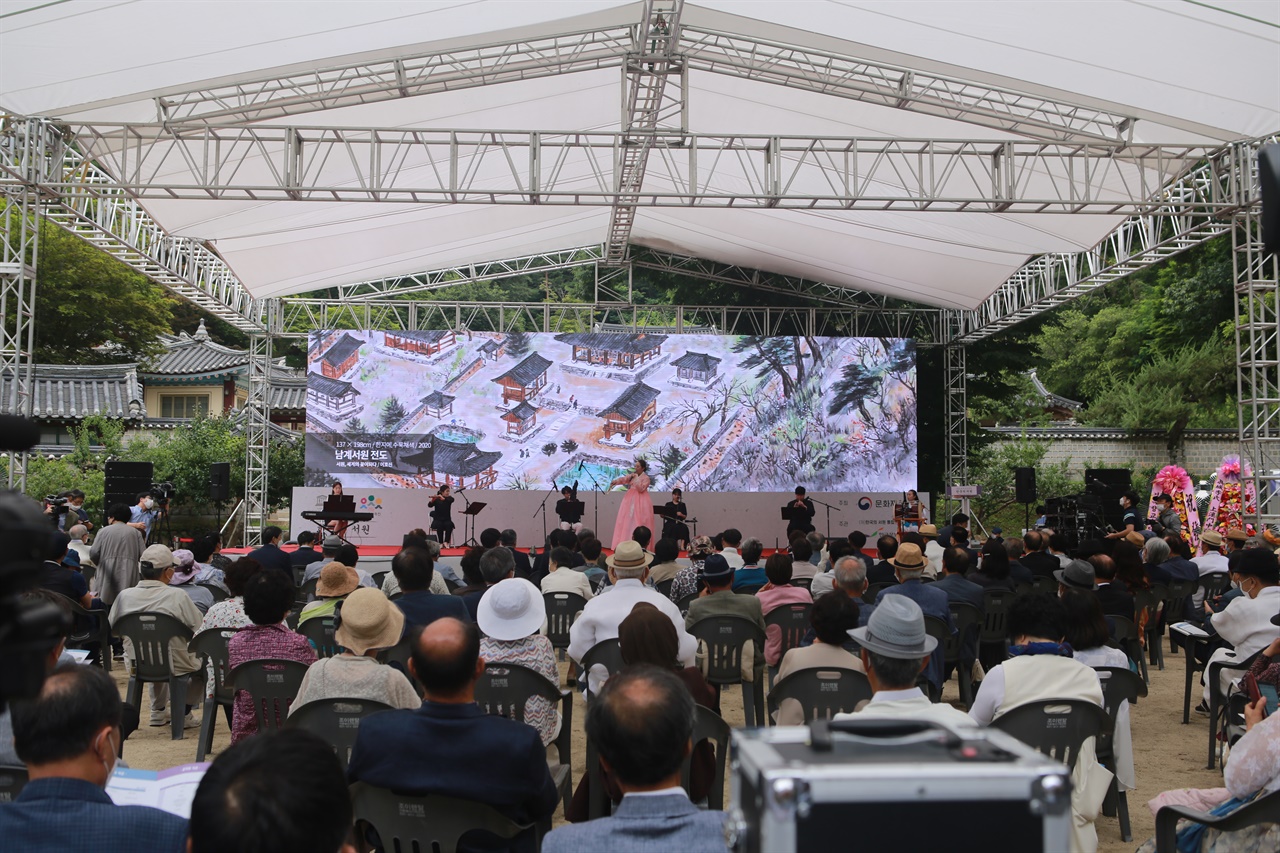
pixel 162 493
pixel 58 503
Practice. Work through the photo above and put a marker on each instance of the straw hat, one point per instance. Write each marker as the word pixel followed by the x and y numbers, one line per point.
pixel 369 620
pixel 511 609
pixel 1212 537
pixel 896 630
pixel 908 558
pixel 928 530
pixel 628 555
pixel 336 579
pixel 1133 537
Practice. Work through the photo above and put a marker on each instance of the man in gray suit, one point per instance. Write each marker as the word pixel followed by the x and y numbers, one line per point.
pixel 642 725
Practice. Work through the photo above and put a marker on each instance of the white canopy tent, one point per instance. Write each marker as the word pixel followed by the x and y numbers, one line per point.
pixel 970 156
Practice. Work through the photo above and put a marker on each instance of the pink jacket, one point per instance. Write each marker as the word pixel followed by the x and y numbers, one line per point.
pixel 771 598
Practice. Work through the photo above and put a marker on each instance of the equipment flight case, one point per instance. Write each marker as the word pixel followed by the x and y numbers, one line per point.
pixel 899 785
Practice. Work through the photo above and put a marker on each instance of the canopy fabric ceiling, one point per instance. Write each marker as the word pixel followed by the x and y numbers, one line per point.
pixel 1191 73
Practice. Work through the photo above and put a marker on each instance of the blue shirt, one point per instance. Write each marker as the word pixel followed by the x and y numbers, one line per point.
pixel 75 816
pixel 749 576
pixel 145 516
pixel 422 607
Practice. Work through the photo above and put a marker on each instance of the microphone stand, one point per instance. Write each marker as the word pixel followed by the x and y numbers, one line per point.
pixel 471 540
pixel 829 508
pixel 542 508
pixel 596 491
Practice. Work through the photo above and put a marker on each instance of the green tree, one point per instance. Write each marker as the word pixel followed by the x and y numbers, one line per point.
pixel 392 414
pixel 183 457
pixel 993 467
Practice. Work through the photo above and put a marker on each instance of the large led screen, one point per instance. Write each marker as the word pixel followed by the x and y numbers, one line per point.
pixel 724 413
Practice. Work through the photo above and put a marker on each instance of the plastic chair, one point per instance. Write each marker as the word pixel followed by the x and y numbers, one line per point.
pixel 91 637
pixel 211 644
pixel 724 638
pixel 708 725
pixel 406 823
pixel 562 609
pixel 1215 583
pixel 664 587
pixel 504 689
pixel 821 691
pixel 792 620
pixel 1218 702
pixel 1045 583
pixel 966 618
pixel 749 590
pixel 320 631
pixel 336 721
pixel 397 657
pixel 307 592
pixel 152 635
pixel 606 653
pixel 379 577
pixel 805 583
pixel 684 603
pixel 218 593
pixel 1175 610
pixel 940 631
pixel 1125 635
pixel 993 640
pixel 1150 601
pixel 13 780
pixel 1055 727
pixel 271 683
pixel 1118 685
pixel 872 594
pixel 1265 809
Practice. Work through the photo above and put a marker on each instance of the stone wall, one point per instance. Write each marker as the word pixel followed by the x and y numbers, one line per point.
pixel 1087 447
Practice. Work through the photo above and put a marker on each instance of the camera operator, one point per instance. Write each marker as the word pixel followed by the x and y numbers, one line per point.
pixel 68 505
pixel 144 513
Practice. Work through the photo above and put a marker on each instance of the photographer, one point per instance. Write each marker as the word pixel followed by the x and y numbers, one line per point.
pixel 65 505
pixel 143 515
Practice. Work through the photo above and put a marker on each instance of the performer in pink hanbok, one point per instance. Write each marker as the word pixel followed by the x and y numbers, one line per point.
pixel 637 509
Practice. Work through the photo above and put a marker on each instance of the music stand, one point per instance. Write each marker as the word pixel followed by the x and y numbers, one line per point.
pixel 469 517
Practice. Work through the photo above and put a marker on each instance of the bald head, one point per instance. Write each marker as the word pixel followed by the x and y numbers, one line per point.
pixel 446 659
pixel 642 723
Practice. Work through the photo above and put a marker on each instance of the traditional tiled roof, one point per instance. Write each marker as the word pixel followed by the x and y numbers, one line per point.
pixel 638 342
pixel 521 412
pixel 437 400
pixel 288 392
pixel 1052 399
pixel 490 346
pixel 342 350
pixel 697 361
pixel 632 403
pixel 526 371
pixel 186 355
pixel 329 387
pixel 429 336
pixel 69 391
pixel 456 459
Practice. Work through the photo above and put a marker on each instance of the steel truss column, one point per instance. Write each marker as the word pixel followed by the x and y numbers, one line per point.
pixel 1257 288
pixel 613 283
pixel 646 107
pixel 955 393
pixel 257 426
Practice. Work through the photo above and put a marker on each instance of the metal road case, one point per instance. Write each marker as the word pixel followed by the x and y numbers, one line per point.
pixel 895 785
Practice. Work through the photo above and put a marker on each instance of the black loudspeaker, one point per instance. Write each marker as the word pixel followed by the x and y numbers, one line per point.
pixel 1269 181
pixel 220 481
pixel 124 480
pixel 1109 484
pixel 1024 485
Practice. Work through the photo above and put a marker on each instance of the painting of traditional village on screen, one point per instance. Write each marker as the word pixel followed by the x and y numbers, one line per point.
pixel 522 411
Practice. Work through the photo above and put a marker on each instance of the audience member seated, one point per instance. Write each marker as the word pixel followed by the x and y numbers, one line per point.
pixel 932 550
pixel 665 567
pixel 648 637
pixel 642 725
pixel 882 571
pixel 688 580
pixel 908 565
pixel 507 538
pixel 590 560
pixel 348 555
pixel 69 737
pixel 802 565
pixel 777 593
pixel 369 624
pixel 954 585
pixel 1038 560
pixel 1113 598
pixel 283 791
pixel 750 574
pixel 1179 565
pixel 1041 667
pixel 337 551
pixel 831 619
pixel 510 616
pixel 1156 555
pixel 1245 623
pixel 1087 634
pixel 269 555
pixel 496 564
pixel 337 581
pixel 391 585
pixel 184 578
pixel 895 650
pixel 154 595
pixel 305 554
pixel 449 745
pixel 414 572
pixel 56 657
pixel 994 572
pixel 328 553
pixel 628 568
pixel 202 550
pixel 719 599
pixel 56 577
pixel 562 577
pixel 267 598
pixel 849 577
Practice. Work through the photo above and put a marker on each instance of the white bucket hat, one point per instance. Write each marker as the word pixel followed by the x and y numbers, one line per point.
pixel 511 609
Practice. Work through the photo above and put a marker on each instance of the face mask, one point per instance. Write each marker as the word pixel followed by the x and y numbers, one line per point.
pixel 148 503
pixel 115 765
pixel 1122 502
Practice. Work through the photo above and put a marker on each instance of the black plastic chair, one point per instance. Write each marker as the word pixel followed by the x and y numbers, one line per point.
pixel 940 631
pixel 684 603
pixel 1214 584
pixel 379 577
pixel 1045 583
pixel 1057 728
pixel 406 823
pixel 218 593
pixel 664 587
pixel 151 635
pixel 1151 601
pixel 96 632
pixel 211 644
pixel 320 630
pixel 749 590
pixel 872 593
pixel 1118 685
pixel 606 653
pixel 307 592
pixel 1218 702
pixel 966 618
pixel 725 638
pixel 562 609
pixel 708 725
pixel 397 657
pixel 993 639
pixel 12 781
pixel 271 684
pixel 804 583
pixel 792 620
pixel 1125 635
pixel 1175 609
pixel 336 721
pixel 504 689
pixel 822 692
pixel 1265 809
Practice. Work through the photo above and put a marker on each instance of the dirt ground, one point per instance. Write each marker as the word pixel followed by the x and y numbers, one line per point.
pixel 1167 754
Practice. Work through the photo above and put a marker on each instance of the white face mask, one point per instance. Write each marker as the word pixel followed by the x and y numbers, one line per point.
pixel 148 503
pixel 115 765
pixel 1122 502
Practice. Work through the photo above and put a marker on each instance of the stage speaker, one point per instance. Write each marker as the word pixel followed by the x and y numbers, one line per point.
pixel 1109 484
pixel 220 481
pixel 124 480
pixel 1024 485
pixel 1269 181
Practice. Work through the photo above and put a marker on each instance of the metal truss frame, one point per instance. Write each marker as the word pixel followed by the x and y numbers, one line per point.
pixel 257 426
pixel 1257 287
pixel 530 167
pixel 955 394
pixel 488 271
